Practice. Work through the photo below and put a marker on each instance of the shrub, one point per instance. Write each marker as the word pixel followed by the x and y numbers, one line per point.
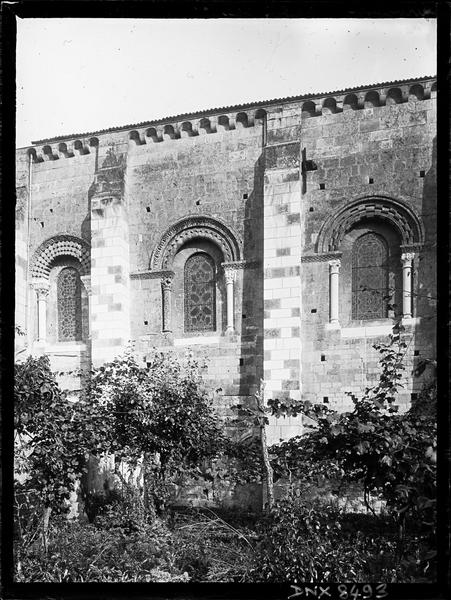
pixel 159 414
pixel 391 454
pixel 316 541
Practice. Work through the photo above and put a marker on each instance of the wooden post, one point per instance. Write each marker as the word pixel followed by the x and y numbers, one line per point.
pixel 268 485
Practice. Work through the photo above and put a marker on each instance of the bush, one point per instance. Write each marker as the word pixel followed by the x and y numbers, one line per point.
pixel 392 455
pixel 317 541
pixel 121 509
pixel 159 414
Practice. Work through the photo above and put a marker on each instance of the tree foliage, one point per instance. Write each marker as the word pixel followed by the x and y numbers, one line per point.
pixel 50 434
pixel 157 413
pixel 391 454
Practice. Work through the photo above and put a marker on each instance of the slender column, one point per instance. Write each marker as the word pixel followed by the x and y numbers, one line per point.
pixel 166 288
pixel 334 269
pixel 42 291
pixel 230 275
pixel 407 260
pixel 86 280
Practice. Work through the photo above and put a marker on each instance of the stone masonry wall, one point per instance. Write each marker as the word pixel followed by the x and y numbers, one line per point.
pixel 282 283
pixel 387 151
pixel 217 174
pixel 274 175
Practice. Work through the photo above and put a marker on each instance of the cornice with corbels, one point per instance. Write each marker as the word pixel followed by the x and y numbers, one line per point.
pixel 210 122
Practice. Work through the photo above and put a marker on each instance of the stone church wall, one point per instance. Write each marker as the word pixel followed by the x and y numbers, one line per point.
pixel 387 151
pixel 277 194
pixel 218 175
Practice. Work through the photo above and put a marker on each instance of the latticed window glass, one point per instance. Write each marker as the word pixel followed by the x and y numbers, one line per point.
pixel 369 277
pixel 200 293
pixel 69 305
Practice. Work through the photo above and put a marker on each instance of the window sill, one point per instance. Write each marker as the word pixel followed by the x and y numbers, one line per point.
pixel 368 330
pixel 373 328
pixel 65 348
pixel 198 340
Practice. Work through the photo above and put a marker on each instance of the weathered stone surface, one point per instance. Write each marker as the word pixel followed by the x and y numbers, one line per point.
pixel 274 179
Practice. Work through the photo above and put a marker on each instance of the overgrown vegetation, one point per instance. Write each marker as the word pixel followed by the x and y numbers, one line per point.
pixel 52 439
pixel 158 418
pixel 391 456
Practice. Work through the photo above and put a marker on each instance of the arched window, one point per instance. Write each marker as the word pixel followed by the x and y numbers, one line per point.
pixel 69 305
pixel 369 277
pixel 200 293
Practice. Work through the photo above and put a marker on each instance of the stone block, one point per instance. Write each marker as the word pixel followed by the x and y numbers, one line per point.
pixel 272 333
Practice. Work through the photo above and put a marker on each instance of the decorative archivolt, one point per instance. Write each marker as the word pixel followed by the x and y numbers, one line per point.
pixel 400 216
pixel 190 228
pixel 60 245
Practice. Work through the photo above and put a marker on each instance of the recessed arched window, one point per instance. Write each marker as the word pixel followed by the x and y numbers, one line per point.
pixel 69 305
pixel 370 277
pixel 200 293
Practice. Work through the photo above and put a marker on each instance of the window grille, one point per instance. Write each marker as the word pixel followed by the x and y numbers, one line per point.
pixel 369 277
pixel 69 305
pixel 200 293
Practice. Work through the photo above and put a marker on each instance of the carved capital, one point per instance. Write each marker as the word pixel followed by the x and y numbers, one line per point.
pixel 41 287
pixel 166 283
pixel 230 274
pixel 86 280
pixel 407 258
pixel 334 265
pixel 42 293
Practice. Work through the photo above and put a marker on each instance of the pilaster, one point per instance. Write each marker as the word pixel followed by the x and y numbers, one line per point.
pixel 282 282
pixel 110 292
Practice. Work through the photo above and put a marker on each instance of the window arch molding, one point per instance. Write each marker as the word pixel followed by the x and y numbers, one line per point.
pixel 394 212
pixel 49 259
pixel 190 228
pixel 59 246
